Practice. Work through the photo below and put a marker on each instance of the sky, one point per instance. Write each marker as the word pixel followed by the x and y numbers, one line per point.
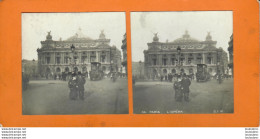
pixel 172 25
pixel 64 25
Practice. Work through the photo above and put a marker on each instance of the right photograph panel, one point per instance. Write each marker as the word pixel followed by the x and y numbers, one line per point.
pixel 182 62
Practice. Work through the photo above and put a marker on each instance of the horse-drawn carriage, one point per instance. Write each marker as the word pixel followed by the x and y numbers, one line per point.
pixel 96 73
pixel 202 74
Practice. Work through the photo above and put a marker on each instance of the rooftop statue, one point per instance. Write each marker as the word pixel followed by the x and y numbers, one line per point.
pixel 156 38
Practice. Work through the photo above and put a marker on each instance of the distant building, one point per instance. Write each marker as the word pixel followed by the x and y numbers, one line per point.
pixel 230 50
pixel 55 57
pixel 29 67
pixel 138 69
pixel 124 50
pixel 183 55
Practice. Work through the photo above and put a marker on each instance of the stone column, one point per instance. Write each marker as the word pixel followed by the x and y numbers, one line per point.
pixel 53 57
pixel 62 58
pixel 43 58
pixel 79 56
pixel 214 58
pixel 98 56
pixel 160 59
pixel 194 58
pixel 186 59
pixel 88 57
pixel 169 59
pixel 204 58
pixel 108 56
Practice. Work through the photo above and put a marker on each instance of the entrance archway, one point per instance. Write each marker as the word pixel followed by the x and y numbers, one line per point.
pixel 58 69
pixel 154 72
pixel 173 71
pixel 76 69
pixel 104 68
pixel 210 70
pixel 48 70
pixel 84 69
pixel 165 71
pixel 190 71
pixel 67 69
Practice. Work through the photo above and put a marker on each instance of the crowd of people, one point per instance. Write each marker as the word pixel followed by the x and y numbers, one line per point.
pixel 64 76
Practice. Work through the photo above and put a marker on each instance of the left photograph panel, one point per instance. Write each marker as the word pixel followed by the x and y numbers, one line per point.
pixel 74 63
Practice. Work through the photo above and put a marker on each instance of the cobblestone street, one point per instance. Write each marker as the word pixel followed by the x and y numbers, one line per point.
pixel 52 97
pixel 207 97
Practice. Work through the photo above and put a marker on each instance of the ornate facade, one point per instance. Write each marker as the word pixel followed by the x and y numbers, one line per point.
pixel 124 50
pixel 230 50
pixel 183 55
pixel 55 57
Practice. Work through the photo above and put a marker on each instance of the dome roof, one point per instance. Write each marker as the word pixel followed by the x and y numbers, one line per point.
pixel 186 39
pixel 78 36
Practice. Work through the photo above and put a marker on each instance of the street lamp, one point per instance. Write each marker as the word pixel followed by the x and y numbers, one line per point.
pixel 72 48
pixel 218 73
pixel 140 67
pixel 218 66
pixel 34 68
pixel 179 52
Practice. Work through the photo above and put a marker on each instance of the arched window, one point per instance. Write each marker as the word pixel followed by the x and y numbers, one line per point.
pixel 58 69
pixel 48 70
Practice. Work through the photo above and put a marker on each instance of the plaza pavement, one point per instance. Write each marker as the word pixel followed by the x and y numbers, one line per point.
pixel 51 97
pixel 205 97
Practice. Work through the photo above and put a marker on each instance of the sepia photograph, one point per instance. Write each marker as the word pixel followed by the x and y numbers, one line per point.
pixel 182 62
pixel 74 63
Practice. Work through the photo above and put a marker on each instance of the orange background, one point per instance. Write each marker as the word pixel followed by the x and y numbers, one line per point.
pixel 246 63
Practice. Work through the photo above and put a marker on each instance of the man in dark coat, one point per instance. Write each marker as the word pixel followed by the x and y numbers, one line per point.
pixel 185 82
pixel 177 88
pixel 73 87
pixel 80 82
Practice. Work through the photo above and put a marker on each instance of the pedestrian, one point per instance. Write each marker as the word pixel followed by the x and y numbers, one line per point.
pixel 161 77
pixel 73 87
pixel 46 76
pixel 80 82
pixel 177 86
pixel 133 80
pixel 185 83
pixel 170 77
